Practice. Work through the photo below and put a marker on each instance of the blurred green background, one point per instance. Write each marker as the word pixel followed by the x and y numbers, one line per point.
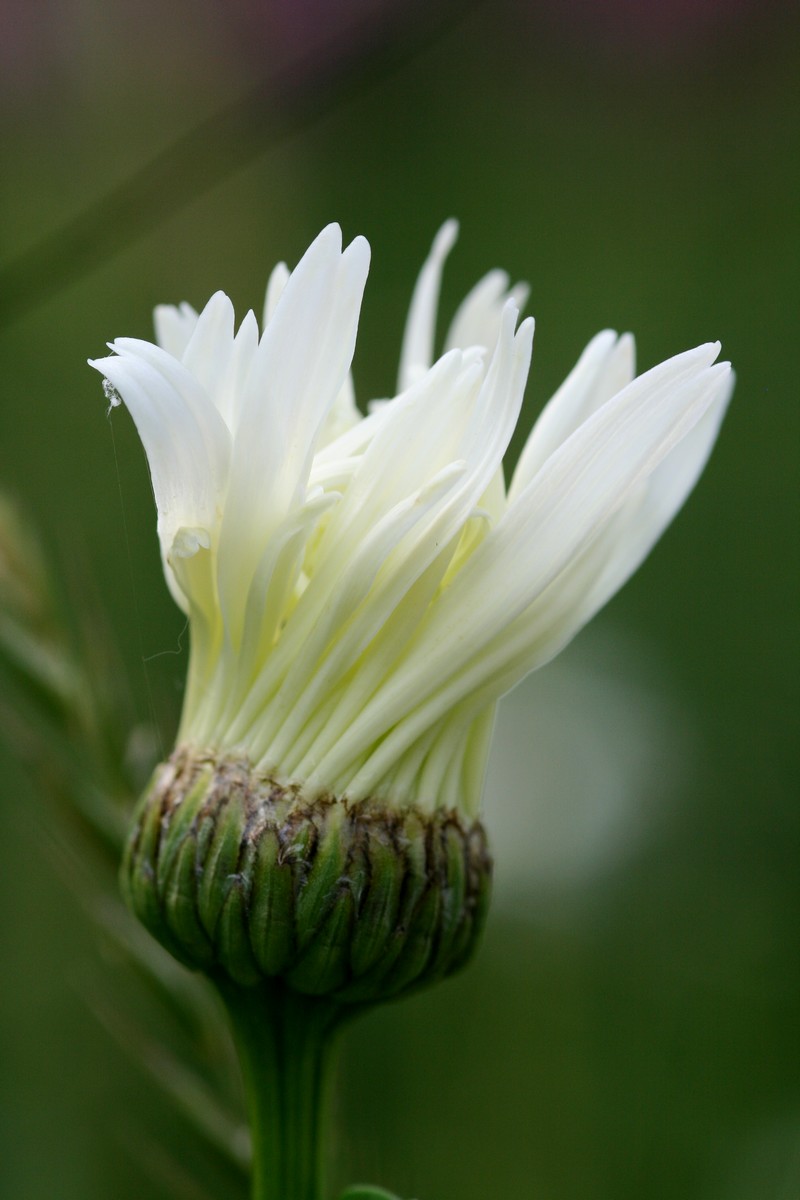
pixel 629 1029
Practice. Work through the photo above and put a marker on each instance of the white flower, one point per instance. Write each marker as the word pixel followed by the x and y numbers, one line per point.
pixel 362 590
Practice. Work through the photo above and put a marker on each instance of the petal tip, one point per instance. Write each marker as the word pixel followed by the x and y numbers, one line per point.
pixel 360 249
pixel 446 237
pixel 331 235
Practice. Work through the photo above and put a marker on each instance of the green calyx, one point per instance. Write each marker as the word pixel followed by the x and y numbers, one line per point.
pixel 249 880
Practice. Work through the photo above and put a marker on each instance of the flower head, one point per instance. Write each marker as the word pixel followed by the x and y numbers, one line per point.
pixel 361 590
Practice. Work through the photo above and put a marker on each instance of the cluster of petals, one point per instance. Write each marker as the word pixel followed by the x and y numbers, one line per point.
pixel 361 590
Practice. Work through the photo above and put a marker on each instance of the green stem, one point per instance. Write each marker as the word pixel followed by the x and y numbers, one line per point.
pixel 284 1041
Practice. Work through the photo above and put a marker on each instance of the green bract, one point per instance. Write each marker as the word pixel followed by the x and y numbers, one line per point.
pixel 239 875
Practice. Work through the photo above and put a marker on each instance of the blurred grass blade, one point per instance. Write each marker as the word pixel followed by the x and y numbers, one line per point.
pixel 367 1192
pixel 65 712
pixel 191 1093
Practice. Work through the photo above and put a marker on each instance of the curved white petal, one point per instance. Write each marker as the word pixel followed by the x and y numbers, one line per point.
pixel 478 318
pixel 576 492
pixel 233 384
pixel 186 443
pixel 275 288
pixel 416 354
pixel 343 416
pixel 297 372
pixel 606 366
pixel 634 530
pixel 554 521
pixel 594 576
pixel 209 350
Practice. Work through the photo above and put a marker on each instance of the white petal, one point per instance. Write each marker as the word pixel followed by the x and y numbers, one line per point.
pixel 553 522
pixel 351 443
pixel 186 443
pixel 233 384
pixel 208 352
pixel 581 485
pixel 477 321
pixel 416 355
pixel 174 326
pixel 299 369
pixel 593 577
pixel 343 416
pixel 363 598
pixel 633 531
pixel 274 580
pixel 606 366
pixel 483 442
pixel 408 500
pixel 275 288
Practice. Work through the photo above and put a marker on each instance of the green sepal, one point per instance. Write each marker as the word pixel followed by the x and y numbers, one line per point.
pixel 479 893
pixel 138 882
pixel 234 951
pixel 452 873
pixel 411 845
pixel 271 906
pixel 322 969
pixel 378 912
pixel 319 891
pixel 418 946
pixel 180 908
pixel 220 862
pixel 181 820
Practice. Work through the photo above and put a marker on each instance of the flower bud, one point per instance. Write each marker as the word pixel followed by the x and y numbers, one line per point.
pixel 242 876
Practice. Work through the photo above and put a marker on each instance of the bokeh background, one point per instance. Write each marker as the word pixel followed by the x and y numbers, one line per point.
pixel 629 1030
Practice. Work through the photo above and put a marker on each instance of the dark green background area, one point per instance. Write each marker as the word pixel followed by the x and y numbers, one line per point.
pixel 626 1035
